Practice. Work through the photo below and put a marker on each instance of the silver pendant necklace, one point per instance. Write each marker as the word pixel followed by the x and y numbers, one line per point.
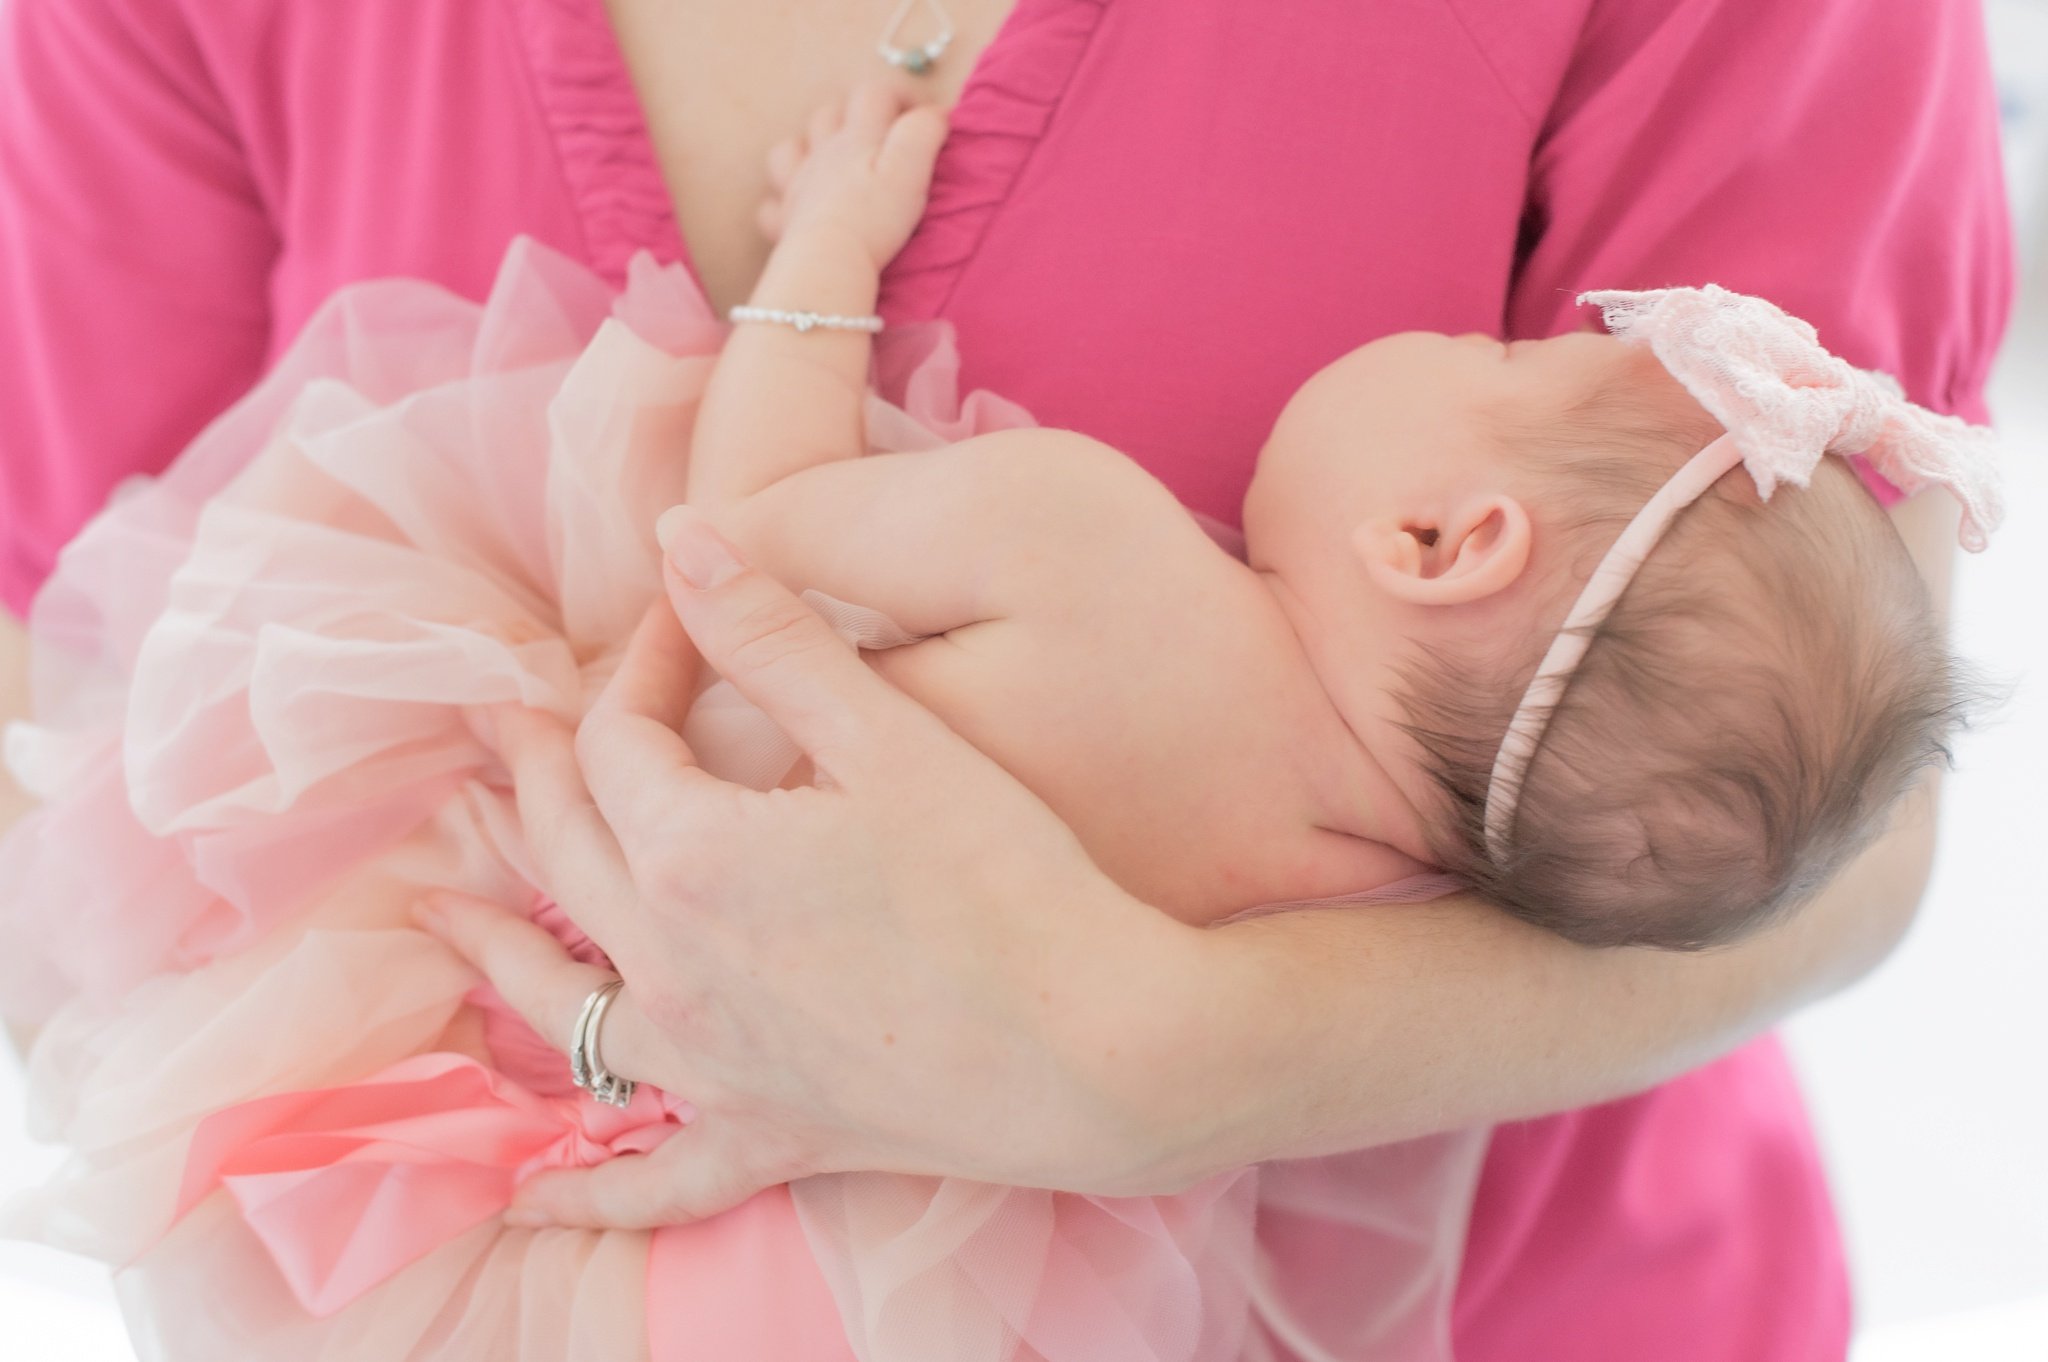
pixel 921 58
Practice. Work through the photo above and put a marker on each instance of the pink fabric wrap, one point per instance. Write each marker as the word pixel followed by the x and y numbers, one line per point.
pixel 1154 220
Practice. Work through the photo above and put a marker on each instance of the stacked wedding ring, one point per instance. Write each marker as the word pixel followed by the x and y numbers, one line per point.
pixel 586 1060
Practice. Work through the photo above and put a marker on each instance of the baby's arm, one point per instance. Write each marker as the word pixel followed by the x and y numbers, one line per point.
pixel 781 399
pixel 988 529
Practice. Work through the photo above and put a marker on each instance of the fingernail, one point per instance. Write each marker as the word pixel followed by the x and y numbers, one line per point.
pixel 700 553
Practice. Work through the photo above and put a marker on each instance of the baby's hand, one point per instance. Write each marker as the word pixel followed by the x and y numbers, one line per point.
pixel 861 170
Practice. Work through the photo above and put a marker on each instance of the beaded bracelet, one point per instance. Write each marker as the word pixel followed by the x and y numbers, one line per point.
pixel 805 321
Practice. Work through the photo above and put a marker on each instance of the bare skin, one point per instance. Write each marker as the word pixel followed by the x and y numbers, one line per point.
pixel 1084 631
pixel 721 83
pixel 1219 736
pixel 14 702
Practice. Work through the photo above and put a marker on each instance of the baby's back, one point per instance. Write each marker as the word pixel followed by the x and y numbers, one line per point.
pixel 1147 686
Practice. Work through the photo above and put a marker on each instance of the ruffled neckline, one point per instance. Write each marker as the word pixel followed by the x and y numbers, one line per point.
pixel 587 99
pixel 586 96
pixel 1005 109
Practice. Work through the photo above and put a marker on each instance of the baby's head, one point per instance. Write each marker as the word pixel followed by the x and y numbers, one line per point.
pixel 1771 679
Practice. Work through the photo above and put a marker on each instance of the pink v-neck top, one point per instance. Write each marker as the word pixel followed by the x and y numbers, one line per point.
pixel 1154 219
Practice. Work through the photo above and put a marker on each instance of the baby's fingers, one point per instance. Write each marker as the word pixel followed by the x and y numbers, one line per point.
pixel 912 146
pixel 871 108
pixel 825 122
pixel 783 159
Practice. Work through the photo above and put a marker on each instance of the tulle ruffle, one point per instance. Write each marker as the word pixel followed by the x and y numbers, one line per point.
pixel 294 1119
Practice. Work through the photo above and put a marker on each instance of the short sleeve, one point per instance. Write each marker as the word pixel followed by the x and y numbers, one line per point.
pixel 1838 157
pixel 134 263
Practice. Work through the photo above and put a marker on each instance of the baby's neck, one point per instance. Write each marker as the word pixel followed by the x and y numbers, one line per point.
pixel 1347 758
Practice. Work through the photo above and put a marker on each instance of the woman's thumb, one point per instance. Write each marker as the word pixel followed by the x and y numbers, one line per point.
pixel 777 651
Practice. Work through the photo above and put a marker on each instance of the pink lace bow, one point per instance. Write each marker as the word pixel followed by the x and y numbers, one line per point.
pixel 1764 375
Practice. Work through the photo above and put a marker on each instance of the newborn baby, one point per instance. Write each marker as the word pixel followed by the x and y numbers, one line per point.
pixel 1332 712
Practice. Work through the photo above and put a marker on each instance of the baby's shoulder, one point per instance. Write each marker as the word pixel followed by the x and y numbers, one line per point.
pixel 1090 546
pixel 1066 482
pixel 1043 453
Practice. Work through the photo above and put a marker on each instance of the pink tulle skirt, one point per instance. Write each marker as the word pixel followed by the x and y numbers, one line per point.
pixel 295 1120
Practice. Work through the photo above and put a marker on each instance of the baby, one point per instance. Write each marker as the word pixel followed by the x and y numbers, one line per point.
pixel 1335 711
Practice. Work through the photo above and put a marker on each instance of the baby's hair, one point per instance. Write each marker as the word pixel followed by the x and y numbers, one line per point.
pixel 1771 681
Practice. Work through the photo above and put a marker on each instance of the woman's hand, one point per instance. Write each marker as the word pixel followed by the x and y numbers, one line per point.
pixel 912 958
pixel 914 967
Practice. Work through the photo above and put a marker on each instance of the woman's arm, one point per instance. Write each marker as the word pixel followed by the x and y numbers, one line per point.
pixel 136 252
pixel 14 802
pixel 1351 1029
pixel 913 966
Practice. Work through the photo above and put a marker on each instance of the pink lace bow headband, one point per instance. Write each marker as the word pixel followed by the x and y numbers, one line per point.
pixel 1784 402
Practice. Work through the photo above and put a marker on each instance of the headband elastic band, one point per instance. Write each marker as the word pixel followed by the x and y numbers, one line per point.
pixel 1603 590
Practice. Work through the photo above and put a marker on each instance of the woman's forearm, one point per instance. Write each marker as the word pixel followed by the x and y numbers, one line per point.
pixel 801 963
pixel 1314 1032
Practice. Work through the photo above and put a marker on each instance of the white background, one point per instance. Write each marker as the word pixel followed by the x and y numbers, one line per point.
pixel 1929 1081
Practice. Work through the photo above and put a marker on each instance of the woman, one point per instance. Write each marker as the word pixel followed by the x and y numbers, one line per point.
pixel 1152 221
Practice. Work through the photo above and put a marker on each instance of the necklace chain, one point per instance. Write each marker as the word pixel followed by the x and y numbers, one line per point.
pixel 920 58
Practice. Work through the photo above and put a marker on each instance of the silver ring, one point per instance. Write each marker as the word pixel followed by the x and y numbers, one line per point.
pixel 586 1059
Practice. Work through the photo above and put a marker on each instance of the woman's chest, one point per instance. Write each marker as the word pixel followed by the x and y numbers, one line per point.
pixel 1154 219
pixel 719 84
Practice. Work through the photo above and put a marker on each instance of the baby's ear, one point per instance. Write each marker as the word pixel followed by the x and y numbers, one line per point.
pixel 1452 556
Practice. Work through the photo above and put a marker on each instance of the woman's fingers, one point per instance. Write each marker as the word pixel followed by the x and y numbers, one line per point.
pixel 783 159
pixel 638 767
pixel 540 980
pixel 778 652
pixel 691 1175
pixel 577 857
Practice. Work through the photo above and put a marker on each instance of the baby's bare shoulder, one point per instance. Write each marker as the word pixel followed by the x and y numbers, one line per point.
pixel 1088 550
pixel 1060 482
